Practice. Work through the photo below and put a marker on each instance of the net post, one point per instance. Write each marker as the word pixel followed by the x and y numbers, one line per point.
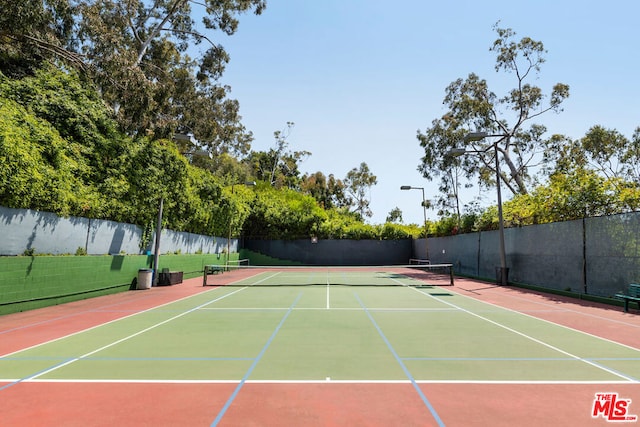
pixel 451 273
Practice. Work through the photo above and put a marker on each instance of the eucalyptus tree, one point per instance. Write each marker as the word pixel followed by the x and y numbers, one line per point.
pixel 395 215
pixel 358 182
pixel 279 165
pixel 153 63
pixel 472 106
pixel 612 154
pixel 141 52
pixel 605 154
pixel 32 31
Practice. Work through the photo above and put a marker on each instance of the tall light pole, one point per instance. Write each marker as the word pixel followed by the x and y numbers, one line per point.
pixel 478 136
pixel 424 211
pixel 156 251
pixel 248 184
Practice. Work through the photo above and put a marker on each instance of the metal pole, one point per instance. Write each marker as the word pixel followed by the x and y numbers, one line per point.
pixel 503 258
pixel 426 230
pixel 156 251
pixel 229 237
pixel 249 184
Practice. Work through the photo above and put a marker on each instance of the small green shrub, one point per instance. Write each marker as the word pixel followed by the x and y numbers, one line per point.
pixel 29 252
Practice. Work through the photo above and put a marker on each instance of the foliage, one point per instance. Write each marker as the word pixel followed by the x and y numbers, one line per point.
pixel 228 168
pixel 445 226
pixel 473 106
pixel 567 196
pixel 62 150
pixel 605 151
pixel 357 183
pixel 283 214
pixel 395 215
pixel 62 153
pixel 278 166
pixel 342 224
pixel 390 231
pixel 136 53
pixel 37 169
pixel 234 209
pixel 33 31
pixel 329 192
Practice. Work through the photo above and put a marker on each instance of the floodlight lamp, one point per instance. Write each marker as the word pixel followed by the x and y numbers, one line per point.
pixel 456 152
pixel 475 136
pixel 183 137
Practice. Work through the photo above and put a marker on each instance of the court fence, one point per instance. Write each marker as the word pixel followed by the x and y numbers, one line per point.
pixel 26 231
pixel 596 256
pixel 29 282
pixel 34 273
pixel 334 252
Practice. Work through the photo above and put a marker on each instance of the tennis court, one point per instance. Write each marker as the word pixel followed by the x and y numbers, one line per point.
pixel 328 346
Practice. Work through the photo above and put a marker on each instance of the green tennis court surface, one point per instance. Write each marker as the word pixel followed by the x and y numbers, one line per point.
pixel 372 325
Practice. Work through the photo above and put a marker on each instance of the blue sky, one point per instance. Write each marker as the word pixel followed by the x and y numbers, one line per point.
pixel 360 77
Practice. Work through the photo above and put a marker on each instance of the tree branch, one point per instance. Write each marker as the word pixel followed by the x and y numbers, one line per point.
pixel 56 50
pixel 154 32
pixel 193 33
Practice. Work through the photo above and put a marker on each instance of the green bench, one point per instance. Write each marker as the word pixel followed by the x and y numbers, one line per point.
pixel 631 294
pixel 211 269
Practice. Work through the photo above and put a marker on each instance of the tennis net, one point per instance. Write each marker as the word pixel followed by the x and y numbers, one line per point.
pixel 391 275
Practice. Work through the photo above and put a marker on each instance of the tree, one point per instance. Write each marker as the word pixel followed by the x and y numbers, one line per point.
pixel 358 182
pixel 612 154
pixel 37 169
pixel 138 54
pixel 138 51
pixel 33 31
pixel 328 191
pixel 605 153
pixel 395 215
pixel 87 139
pixel 579 194
pixel 472 106
pixel 278 166
pixel 284 214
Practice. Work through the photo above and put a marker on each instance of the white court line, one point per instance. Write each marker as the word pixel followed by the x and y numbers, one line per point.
pixel 328 307
pixel 390 309
pixel 529 337
pixel 319 381
pixel 107 323
pixel 553 309
pixel 553 323
pixel 75 359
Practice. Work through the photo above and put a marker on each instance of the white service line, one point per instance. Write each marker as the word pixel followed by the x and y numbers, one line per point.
pixel 556 324
pixel 328 307
pixel 54 368
pixel 104 324
pixel 573 356
pixel 553 308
